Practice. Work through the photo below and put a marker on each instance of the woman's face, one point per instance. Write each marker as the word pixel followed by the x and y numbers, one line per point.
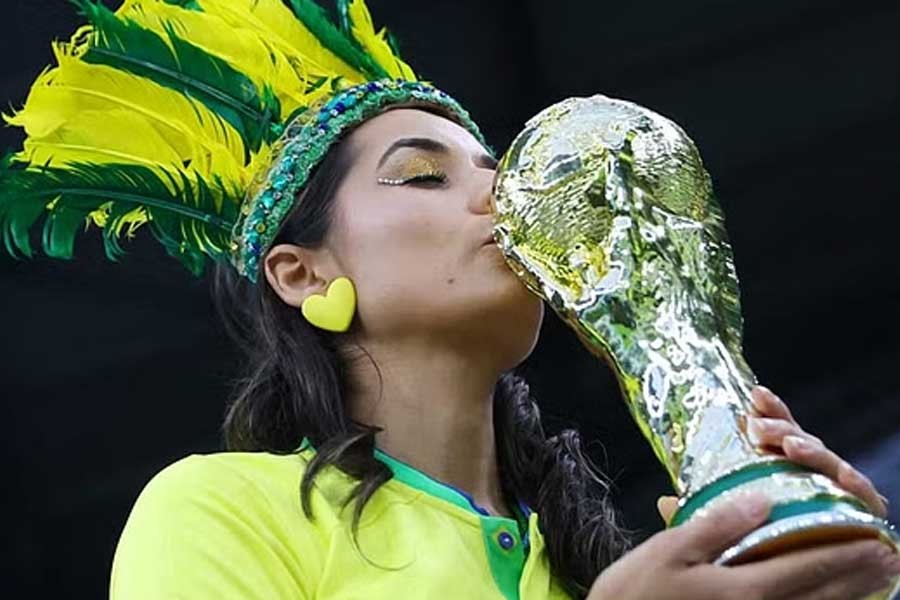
pixel 412 229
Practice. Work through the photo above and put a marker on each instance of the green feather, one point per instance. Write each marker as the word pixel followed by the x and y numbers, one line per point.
pixel 344 18
pixel 193 223
pixel 340 43
pixel 124 44
pixel 187 4
pixel 343 10
pixel 393 43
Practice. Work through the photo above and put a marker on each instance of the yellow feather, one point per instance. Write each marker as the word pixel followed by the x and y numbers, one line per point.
pixel 275 23
pixel 242 49
pixel 99 216
pixel 133 219
pixel 92 139
pixel 286 70
pixel 363 30
pixel 79 111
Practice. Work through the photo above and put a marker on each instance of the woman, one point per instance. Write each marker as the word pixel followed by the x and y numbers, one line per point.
pixel 385 448
pixel 401 207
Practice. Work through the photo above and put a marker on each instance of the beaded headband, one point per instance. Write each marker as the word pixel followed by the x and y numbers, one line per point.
pixel 303 145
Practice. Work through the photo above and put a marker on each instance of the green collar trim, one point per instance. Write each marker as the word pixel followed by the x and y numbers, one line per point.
pixel 414 478
pixel 505 540
pixel 421 481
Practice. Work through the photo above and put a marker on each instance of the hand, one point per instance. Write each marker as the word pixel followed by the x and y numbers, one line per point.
pixel 675 564
pixel 774 428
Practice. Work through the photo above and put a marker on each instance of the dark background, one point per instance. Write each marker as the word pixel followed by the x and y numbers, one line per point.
pixel 113 370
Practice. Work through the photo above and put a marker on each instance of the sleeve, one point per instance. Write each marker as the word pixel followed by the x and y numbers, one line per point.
pixel 199 530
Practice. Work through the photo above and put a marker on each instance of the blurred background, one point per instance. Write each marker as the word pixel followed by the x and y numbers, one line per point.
pixel 111 371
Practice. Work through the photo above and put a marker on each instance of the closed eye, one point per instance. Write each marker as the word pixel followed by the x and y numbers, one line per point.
pixel 428 179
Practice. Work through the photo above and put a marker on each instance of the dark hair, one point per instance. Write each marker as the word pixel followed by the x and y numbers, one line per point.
pixel 294 387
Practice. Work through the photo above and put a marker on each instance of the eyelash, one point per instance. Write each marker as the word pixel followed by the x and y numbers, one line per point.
pixel 432 178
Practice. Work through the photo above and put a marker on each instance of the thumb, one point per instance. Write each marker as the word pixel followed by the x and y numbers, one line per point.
pixel 667 505
pixel 703 538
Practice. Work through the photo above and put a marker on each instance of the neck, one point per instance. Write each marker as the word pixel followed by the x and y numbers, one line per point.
pixel 436 408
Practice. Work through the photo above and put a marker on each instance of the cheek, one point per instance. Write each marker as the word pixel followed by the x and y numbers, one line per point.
pixel 396 257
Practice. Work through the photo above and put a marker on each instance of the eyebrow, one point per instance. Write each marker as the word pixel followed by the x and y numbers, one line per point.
pixel 429 145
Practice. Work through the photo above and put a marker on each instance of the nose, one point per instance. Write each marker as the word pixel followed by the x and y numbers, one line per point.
pixel 482 197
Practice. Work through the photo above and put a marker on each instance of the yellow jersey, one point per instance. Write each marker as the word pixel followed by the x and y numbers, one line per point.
pixel 230 525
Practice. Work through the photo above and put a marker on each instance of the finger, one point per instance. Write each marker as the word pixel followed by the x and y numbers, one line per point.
pixel 801 571
pixel 820 458
pixel 703 538
pixel 667 505
pixel 852 586
pixel 767 404
pixel 770 432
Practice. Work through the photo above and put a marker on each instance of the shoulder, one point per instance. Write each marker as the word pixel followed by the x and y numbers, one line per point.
pixel 219 514
pixel 219 489
pixel 225 474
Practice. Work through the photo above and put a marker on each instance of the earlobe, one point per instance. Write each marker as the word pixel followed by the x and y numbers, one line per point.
pixel 291 272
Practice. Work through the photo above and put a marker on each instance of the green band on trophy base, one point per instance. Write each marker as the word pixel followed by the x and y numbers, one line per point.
pixel 817 503
pixel 730 481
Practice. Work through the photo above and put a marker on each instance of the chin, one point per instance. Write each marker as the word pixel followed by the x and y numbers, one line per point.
pixel 519 322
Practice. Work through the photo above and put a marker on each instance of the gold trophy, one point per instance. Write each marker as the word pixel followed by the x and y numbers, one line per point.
pixel 604 209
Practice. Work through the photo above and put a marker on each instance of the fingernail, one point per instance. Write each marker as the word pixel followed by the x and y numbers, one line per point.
pixel 796 442
pixel 756 399
pixel 854 474
pixel 884 499
pixel 754 430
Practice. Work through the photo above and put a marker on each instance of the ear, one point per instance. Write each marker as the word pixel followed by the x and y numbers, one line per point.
pixel 294 273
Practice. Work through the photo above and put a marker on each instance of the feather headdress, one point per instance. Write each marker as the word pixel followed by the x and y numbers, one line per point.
pixel 200 119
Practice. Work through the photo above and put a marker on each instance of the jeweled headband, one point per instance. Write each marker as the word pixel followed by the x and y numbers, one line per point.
pixel 199 119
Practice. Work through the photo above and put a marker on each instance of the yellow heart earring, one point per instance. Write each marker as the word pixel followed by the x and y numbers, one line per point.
pixel 334 310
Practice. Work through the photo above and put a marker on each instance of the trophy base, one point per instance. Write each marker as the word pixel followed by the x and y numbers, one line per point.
pixel 808 510
pixel 840 522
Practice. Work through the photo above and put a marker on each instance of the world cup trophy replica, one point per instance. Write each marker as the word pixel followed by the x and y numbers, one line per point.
pixel 604 209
